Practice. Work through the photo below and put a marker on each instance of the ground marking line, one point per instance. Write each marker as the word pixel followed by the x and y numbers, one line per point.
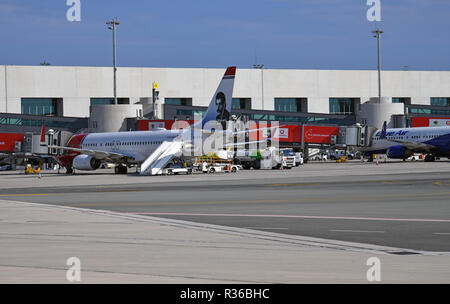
pixel 294 216
pixel 357 231
pixel 266 228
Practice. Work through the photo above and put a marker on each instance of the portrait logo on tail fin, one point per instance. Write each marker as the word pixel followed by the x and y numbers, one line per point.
pixel 220 106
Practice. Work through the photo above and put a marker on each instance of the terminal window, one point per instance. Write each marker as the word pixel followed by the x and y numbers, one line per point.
pixel 413 110
pixel 108 100
pixel 291 105
pixel 41 106
pixel 178 101
pixel 440 101
pixel 191 113
pixel 404 100
pixel 344 106
pixel 241 104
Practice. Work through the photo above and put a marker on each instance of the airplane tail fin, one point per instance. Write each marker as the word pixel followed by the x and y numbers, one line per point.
pixel 220 106
pixel 42 141
pixel 383 131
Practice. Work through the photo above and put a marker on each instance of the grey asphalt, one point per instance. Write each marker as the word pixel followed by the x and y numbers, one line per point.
pixel 402 205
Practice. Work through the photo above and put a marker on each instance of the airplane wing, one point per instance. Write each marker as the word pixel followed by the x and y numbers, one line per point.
pixel 413 146
pixel 100 155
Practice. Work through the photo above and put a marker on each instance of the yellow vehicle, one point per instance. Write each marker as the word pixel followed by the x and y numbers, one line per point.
pixel 31 170
pixel 342 159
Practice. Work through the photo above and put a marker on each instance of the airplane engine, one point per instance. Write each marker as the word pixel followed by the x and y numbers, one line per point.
pixel 399 152
pixel 86 162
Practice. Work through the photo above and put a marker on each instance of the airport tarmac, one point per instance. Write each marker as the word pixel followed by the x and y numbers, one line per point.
pixel 326 219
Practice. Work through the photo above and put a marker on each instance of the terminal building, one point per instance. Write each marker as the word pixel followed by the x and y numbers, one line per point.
pixel 79 99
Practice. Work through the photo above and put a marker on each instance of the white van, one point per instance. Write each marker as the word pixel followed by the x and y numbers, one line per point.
pixel 298 158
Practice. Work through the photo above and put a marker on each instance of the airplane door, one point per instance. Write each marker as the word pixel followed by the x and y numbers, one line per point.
pixel 116 145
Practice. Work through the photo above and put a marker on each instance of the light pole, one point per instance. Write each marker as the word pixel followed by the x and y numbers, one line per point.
pixel 112 24
pixel 377 34
pixel 261 67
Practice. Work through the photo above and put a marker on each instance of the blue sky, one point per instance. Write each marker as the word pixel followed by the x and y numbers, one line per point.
pixel 281 34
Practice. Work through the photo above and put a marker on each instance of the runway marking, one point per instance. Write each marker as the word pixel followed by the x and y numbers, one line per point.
pixel 357 231
pixel 442 233
pixel 266 228
pixel 295 216
pixel 31 194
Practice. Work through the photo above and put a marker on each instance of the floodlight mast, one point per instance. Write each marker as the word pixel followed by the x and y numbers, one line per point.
pixel 112 25
pixel 377 34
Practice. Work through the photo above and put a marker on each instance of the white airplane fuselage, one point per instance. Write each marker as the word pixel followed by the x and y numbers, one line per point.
pixel 139 144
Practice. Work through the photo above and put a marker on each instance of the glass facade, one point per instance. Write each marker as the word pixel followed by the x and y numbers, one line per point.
pixel 108 101
pixel 190 112
pixel 287 105
pixel 404 100
pixel 342 106
pixel 178 101
pixel 428 111
pixel 241 104
pixel 303 119
pixel 344 121
pixel 440 101
pixel 39 106
pixel 101 101
pixel 71 125
pixel 236 105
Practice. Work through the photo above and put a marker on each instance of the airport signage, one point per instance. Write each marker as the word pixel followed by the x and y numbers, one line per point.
pixel 430 122
pixel 439 122
pixel 292 133
pixel 319 134
pixel 8 141
pixel 285 133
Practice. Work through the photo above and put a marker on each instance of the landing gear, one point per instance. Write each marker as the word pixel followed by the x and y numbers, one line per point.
pixel 429 158
pixel 69 170
pixel 120 169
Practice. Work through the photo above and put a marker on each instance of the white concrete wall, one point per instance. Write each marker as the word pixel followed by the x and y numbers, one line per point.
pixel 76 85
pixel 111 118
pixel 375 114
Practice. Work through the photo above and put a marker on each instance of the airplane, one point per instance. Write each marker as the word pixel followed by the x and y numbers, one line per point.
pixel 90 151
pixel 402 143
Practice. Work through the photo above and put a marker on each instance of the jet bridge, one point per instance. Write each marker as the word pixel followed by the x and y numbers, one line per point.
pixel 355 136
pixel 159 159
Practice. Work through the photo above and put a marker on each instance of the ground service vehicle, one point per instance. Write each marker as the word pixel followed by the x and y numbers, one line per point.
pixel 29 169
pixel 299 159
pixel 173 169
pixel 287 158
